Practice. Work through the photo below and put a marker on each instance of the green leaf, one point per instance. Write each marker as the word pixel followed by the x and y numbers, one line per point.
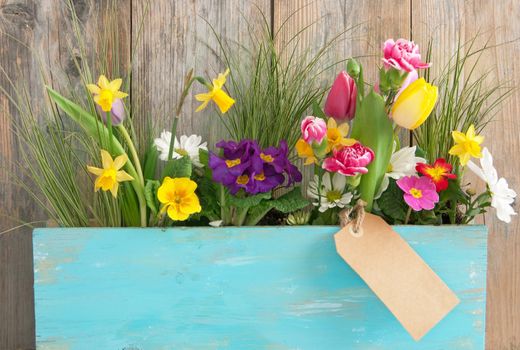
pixel 181 167
pixel 257 212
pixel 373 129
pixel 208 192
pixel 247 201
pixel 150 194
pixel 129 205
pixel 150 162
pixel 291 201
pixel 392 204
pixel 317 111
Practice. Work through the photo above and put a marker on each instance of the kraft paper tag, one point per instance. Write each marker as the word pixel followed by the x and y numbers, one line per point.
pixel 416 296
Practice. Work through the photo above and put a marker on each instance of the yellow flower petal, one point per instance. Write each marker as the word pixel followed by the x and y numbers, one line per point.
pixel 120 161
pixel 115 84
pixel 106 159
pixel 331 123
pixel 94 170
pixel 120 94
pixel 223 100
pixel 175 214
pixel 190 205
pixel 343 129
pixel 414 104
pixel 348 142
pixel 123 176
pixel 202 106
pixel 94 89
pixel 458 137
pixel 103 82
pixel 114 188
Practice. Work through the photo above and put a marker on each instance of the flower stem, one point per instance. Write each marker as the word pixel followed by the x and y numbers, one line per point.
pixel 110 133
pixel 172 139
pixel 408 213
pixel 133 152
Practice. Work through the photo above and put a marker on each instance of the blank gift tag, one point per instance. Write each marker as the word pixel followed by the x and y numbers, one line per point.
pixel 416 296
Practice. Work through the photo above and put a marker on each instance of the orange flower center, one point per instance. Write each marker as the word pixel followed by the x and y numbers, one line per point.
pixel 436 173
pixel 242 179
pixel 260 177
pixel 233 162
pixel 416 193
pixel 266 158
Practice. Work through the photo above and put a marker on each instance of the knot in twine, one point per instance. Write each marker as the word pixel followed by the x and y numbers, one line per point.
pixel 353 217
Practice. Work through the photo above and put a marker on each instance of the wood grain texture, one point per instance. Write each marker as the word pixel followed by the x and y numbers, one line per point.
pixel 176 36
pixel 175 39
pixel 240 288
pixel 498 23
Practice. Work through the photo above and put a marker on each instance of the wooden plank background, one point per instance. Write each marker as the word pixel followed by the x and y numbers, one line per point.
pixel 176 38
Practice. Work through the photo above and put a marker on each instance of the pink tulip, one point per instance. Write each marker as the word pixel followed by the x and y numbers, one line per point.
pixel 341 101
pixel 117 113
pixel 313 129
pixel 403 55
pixel 349 160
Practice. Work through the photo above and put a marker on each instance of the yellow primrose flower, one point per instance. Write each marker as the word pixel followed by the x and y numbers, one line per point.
pixel 305 151
pixel 109 177
pixel 178 198
pixel 414 104
pixel 337 135
pixel 219 96
pixel 466 145
pixel 106 92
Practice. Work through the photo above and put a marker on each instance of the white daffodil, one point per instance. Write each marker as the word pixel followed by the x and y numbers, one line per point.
pixel 188 146
pixel 501 195
pixel 332 192
pixel 402 163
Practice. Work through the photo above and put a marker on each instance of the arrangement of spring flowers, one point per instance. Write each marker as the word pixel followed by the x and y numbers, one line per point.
pixel 349 138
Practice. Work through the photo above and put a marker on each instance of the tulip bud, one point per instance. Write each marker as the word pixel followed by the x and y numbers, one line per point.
pixel 414 104
pixel 117 113
pixel 341 101
pixel 353 68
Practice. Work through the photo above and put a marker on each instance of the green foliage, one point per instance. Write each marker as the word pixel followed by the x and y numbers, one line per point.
pixel 274 84
pixel 181 167
pixel 373 129
pixel 247 201
pixel 150 194
pixel 392 204
pixel 464 99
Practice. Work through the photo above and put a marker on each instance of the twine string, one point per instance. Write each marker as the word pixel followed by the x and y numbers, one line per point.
pixel 354 215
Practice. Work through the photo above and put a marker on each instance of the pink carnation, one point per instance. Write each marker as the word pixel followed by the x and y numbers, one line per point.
pixel 403 55
pixel 349 160
pixel 313 129
pixel 419 192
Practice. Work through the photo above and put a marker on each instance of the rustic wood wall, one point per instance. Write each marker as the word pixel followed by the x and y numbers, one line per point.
pixel 175 38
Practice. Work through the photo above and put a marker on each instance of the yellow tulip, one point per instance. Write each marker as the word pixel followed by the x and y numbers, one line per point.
pixel 109 177
pixel 178 198
pixel 217 94
pixel 414 104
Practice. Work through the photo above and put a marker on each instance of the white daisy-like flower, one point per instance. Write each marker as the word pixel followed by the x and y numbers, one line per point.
pixel 332 192
pixel 188 146
pixel 402 163
pixel 501 195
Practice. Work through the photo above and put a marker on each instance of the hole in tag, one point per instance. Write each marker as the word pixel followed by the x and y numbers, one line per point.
pixel 354 233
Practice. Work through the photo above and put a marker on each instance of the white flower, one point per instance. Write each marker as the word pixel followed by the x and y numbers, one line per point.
pixel 332 192
pixel 402 163
pixel 501 195
pixel 188 146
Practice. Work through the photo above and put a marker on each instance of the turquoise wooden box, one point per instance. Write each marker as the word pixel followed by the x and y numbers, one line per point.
pixel 239 288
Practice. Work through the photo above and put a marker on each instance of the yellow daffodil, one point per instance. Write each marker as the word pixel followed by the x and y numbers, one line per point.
pixel 217 94
pixel 337 135
pixel 109 177
pixel 414 104
pixel 178 198
pixel 106 92
pixel 466 145
pixel 305 151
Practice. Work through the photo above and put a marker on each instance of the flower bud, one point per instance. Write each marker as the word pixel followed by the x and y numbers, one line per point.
pixel 414 104
pixel 117 113
pixel 341 100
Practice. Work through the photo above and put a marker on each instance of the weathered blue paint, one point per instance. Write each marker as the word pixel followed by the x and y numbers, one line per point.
pixel 239 288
